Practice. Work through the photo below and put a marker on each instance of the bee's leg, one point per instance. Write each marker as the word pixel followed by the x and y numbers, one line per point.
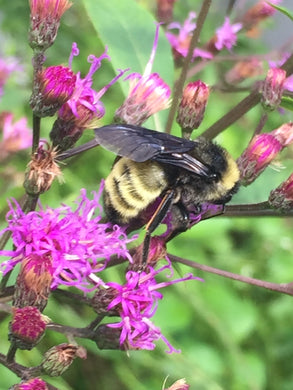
pixel 155 221
pixel 79 149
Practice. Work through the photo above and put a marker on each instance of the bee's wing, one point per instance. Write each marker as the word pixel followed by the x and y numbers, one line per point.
pixel 140 144
pixel 185 161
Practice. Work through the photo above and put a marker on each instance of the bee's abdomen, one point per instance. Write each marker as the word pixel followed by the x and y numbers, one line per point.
pixel 131 187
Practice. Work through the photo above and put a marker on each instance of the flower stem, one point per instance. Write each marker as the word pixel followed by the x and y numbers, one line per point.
pixel 260 125
pixel 4 281
pixel 11 353
pixel 241 108
pixel 180 82
pixel 36 132
pixel 285 288
pixel 262 209
pixel 233 115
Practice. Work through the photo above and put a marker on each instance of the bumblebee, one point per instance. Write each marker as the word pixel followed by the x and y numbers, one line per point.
pixel 151 165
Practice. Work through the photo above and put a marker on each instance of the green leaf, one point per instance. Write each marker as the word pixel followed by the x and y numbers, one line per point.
pixel 129 30
pixel 284 10
pixel 287 102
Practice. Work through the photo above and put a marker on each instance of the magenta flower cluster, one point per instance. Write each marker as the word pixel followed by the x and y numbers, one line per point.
pixel 137 302
pixel 74 240
pixel 79 246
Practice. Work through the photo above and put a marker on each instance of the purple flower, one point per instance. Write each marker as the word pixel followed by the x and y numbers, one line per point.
pixel 32 384
pixel 148 93
pixel 180 42
pixel 54 86
pixel 27 327
pixel 16 136
pixel 288 84
pixel 84 107
pixel 226 35
pixel 261 151
pixel 74 240
pixel 7 66
pixel 137 301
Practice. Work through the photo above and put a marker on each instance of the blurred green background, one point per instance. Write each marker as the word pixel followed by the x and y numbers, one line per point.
pixel 231 335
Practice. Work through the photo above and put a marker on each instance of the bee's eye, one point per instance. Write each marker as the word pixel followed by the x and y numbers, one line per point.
pixel 214 176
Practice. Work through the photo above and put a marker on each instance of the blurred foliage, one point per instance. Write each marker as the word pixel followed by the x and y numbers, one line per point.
pixel 231 335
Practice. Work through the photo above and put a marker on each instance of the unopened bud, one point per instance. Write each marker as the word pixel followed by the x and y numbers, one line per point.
pixel 108 338
pixel 33 283
pixel 273 88
pixel 165 10
pixel 32 384
pixel 192 106
pixel 261 151
pixel 244 70
pixel 147 96
pixel 53 87
pixel 44 21
pixel 27 327
pixel 282 196
pixel 42 170
pixel 65 134
pixel 101 300
pixel 256 14
pixel 58 358
pixel 284 134
pixel 179 385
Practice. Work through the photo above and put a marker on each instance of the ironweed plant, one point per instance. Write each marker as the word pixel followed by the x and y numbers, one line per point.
pixel 68 259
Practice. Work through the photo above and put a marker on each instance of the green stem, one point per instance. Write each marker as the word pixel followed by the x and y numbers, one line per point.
pixel 180 82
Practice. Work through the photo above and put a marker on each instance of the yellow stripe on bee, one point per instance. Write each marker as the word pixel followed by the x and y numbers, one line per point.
pixel 229 178
pixel 132 186
pixel 232 175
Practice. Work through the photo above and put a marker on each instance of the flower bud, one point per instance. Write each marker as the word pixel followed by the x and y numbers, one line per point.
pixel 108 338
pixel 147 96
pixel 165 10
pixel 284 134
pixel 44 21
pixel 27 327
pixel 257 13
pixel 33 283
pixel 179 385
pixel 58 358
pixel 65 134
pixel 282 196
pixel 273 88
pixel 157 251
pixel 15 135
pixel 101 300
pixel 53 87
pixel 244 70
pixel 32 384
pixel 261 151
pixel 42 170
pixel 192 106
